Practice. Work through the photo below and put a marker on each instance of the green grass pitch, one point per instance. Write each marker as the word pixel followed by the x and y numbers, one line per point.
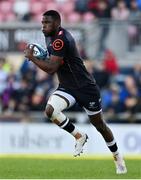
pixel 65 167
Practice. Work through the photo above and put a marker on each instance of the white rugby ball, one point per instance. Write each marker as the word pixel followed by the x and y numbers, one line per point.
pixel 39 52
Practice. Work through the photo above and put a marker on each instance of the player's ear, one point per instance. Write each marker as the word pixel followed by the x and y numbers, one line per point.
pixel 57 23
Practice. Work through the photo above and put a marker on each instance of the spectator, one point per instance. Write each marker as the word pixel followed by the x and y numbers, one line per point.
pixel 111 100
pixel 22 9
pixel 103 14
pixel 131 96
pixel 120 12
pixel 28 71
pixel 21 96
pixel 102 77
pixel 3 76
pixel 38 100
pixel 110 62
pixel 111 3
pixel 7 93
pixel 137 74
pixel 139 3
pixel 81 6
pixel 93 6
pixel 133 28
pixel 127 2
pixel 103 10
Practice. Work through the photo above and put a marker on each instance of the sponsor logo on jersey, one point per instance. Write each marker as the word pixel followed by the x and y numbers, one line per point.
pixel 91 104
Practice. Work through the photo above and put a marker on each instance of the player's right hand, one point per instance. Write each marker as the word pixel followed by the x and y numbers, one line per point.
pixel 28 52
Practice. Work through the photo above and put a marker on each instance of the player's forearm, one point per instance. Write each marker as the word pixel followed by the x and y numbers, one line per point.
pixel 45 65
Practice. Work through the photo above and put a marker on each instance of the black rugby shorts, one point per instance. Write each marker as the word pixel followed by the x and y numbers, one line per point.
pixel 87 97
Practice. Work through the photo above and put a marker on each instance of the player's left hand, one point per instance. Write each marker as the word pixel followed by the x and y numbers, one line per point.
pixel 28 52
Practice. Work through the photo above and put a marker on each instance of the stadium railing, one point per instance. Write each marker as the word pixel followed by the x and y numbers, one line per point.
pixel 77 117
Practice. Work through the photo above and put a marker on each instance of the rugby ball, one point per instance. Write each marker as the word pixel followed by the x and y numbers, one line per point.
pixel 39 51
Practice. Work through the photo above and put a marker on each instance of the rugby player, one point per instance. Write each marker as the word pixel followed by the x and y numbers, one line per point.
pixel 75 85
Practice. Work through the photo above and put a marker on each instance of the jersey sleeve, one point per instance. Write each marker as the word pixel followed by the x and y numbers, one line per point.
pixel 58 47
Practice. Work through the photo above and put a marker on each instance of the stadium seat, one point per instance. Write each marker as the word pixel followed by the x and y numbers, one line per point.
pixel 67 8
pixel 10 17
pixel 88 17
pixel 6 6
pixel 52 5
pixel 74 17
pixel 21 7
pixel 1 17
pixel 42 1
pixel 7 17
pixel 37 17
pixel 37 7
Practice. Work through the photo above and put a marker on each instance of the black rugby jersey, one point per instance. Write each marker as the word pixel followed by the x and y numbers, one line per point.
pixel 72 73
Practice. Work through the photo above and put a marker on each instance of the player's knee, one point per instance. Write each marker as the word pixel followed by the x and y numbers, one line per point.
pixel 52 113
pixel 49 111
pixel 98 122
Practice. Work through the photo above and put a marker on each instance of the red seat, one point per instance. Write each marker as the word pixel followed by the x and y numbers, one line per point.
pixel 67 8
pixel 6 6
pixel 42 1
pixel 74 17
pixel 10 17
pixel 37 7
pixel 51 5
pixel 88 17
pixel 1 17
pixel 37 17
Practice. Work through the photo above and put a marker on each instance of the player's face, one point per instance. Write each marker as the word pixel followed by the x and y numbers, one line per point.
pixel 48 26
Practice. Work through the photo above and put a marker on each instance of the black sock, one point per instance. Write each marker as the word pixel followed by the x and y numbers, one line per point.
pixel 113 147
pixel 67 125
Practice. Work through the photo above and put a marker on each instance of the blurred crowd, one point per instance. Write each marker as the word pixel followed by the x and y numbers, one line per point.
pixel 29 88
pixel 120 86
pixel 72 11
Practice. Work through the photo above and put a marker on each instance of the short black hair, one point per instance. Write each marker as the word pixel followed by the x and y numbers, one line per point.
pixel 54 14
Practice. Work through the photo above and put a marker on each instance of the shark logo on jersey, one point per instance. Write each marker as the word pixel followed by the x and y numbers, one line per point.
pixel 58 44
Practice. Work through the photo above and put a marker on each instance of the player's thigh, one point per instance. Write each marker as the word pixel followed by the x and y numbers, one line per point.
pixel 90 100
pixel 97 119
